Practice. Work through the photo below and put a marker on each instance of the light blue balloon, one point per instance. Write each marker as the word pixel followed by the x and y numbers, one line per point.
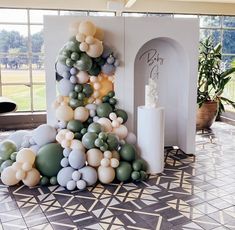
pixel 44 134
pixel 66 152
pixel 61 68
pixel 64 176
pixel 77 159
pixel 81 184
pixel 65 87
pixel 76 176
pixel 73 79
pixel 64 162
pixel 89 175
pixel 71 185
pixel 108 69
pixel 18 136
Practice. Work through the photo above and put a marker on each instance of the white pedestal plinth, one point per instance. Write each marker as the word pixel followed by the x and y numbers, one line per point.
pixel 150 132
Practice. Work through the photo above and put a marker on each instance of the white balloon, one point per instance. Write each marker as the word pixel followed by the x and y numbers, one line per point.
pixel 131 138
pixel 18 136
pixel 65 86
pixel 44 134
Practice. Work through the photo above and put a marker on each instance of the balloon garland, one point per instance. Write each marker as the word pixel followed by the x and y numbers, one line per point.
pixel 90 141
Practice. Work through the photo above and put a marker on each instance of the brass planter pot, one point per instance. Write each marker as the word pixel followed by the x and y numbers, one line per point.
pixel 206 115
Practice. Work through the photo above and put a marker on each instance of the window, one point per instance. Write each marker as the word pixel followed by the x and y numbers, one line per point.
pixel 22 75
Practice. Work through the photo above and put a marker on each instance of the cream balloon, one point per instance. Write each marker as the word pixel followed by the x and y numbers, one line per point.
pixel 82 77
pixel 26 166
pixel 106 124
pixel 8 176
pixel 64 113
pixel 20 174
pixel 105 162
pixel 76 144
pixel 16 166
pixel 114 163
pixel 106 174
pixel 81 114
pixel 121 132
pixel 61 135
pixel 131 138
pixel 84 47
pixel 80 37
pixel 94 156
pixel 87 28
pixel 25 155
pixel 32 178
pixel 99 34
pixel 89 40
pixel 95 49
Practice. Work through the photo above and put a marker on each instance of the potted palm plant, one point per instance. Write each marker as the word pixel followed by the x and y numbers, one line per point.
pixel 212 80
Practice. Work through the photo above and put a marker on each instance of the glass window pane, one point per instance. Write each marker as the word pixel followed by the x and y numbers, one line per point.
pixel 229 92
pixel 210 21
pixel 18 93
pixel 134 14
pixel 37 38
pixel 36 16
pixel 227 59
pixel 39 97
pixel 79 13
pixel 14 68
pixel 38 75
pixel 101 13
pixel 13 36
pixel 229 41
pixel 13 15
pixel 229 21
pixel 215 34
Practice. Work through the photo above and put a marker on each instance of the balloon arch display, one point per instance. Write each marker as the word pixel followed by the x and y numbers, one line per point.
pixel 90 142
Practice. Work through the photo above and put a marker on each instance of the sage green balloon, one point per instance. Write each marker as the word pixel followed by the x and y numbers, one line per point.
pixel 127 152
pixel 48 159
pixel 95 128
pixel 123 171
pixel 84 63
pixel 53 180
pixel 44 181
pixel 7 147
pixel 135 175
pixel 112 142
pixel 5 164
pixel 75 126
pixel 104 109
pixel 88 140
pixel 121 113
pixel 137 165
pixel 95 69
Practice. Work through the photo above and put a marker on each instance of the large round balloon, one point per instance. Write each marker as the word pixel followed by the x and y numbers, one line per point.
pixel 7 147
pixel 48 159
pixel 18 137
pixel 127 152
pixel 104 109
pixel 77 159
pixel 75 126
pixel 8 177
pixel 84 63
pixel 94 156
pixel 123 171
pixel 106 174
pixel 89 175
pixel 95 128
pixel 44 134
pixel 121 113
pixel 65 87
pixel 64 176
pixel 88 140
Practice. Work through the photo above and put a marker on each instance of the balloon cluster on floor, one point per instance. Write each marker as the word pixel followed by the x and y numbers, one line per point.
pixel 90 142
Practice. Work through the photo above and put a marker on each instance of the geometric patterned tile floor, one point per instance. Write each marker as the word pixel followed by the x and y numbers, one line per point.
pixel 190 194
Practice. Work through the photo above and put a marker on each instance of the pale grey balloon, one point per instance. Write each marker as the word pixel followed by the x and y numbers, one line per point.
pixel 65 86
pixel 77 159
pixel 64 176
pixel 89 175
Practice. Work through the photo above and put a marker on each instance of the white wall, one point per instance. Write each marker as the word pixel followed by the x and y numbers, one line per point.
pixel 176 40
